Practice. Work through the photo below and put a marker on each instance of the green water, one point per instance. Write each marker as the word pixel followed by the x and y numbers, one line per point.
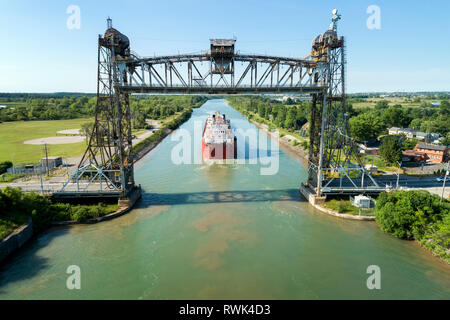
pixel 222 232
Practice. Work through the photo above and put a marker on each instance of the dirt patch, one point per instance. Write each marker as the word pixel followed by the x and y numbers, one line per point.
pixel 56 140
pixel 70 132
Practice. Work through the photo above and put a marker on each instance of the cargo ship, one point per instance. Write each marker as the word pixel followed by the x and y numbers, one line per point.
pixel 218 139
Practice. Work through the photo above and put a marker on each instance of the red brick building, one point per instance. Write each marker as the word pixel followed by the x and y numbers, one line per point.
pixel 431 152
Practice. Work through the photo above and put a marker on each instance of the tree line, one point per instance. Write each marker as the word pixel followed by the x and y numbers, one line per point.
pixel 365 123
pixel 160 107
pixel 369 123
pixel 25 107
pixel 286 116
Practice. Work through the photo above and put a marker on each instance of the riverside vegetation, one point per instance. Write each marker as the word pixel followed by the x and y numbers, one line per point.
pixel 16 207
pixel 408 215
pixel 416 215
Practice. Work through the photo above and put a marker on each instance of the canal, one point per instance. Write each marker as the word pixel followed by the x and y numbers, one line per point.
pixel 222 232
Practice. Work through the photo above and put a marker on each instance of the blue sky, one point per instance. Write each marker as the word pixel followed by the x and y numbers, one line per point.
pixel 409 53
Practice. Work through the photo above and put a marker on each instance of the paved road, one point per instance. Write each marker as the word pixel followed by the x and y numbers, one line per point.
pixel 405 182
pixel 55 183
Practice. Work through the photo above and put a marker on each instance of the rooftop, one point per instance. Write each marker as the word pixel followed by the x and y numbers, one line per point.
pixel 223 42
pixel 431 147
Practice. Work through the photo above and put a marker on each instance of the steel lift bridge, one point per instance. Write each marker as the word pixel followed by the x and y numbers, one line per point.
pixel 107 165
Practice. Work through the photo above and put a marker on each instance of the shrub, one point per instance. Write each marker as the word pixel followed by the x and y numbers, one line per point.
pixel 14 204
pixel 408 214
pixel 305 145
pixel 390 149
pixel 341 207
pixel 4 166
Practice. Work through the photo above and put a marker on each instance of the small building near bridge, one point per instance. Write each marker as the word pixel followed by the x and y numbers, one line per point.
pixel 53 162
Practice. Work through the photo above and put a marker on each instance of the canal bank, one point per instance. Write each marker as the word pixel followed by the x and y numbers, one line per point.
pixel 17 239
pixel 318 203
pixel 222 232
pixel 302 154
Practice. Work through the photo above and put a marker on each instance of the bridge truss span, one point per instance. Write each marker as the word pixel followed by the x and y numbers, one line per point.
pixel 203 74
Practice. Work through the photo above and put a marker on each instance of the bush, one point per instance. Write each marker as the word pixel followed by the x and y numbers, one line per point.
pixel 14 203
pixel 80 213
pixel 305 145
pixel 295 143
pixel 390 149
pixel 409 214
pixel 341 206
pixel 4 166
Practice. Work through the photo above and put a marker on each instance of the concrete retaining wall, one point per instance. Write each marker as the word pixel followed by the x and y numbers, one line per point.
pixel 317 201
pixel 124 206
pixel 16 240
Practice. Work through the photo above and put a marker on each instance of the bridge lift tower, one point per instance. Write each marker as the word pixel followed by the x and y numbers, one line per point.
pixel 106 168
pixel 335 167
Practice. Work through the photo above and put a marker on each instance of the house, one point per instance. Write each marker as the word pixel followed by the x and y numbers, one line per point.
pixel 421 135
pixel 413 156
pixel 432 153
pixel 369 147
pixel 411 133
pixel 368 150
pixel 304 131
pixel 393 131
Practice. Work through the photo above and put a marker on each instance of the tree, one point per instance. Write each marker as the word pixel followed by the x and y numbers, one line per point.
pixel 289 123
pixel 86 130
pixel 409 144
pixel 444 108
pixel 415 124
pixel 390 149
pixel 267 113
pixel 4 166
pixel 261 110
pixel 365 126
pixel 381 105
pixel 408 214
pixel 139 122
pixel 394 116
pixel 445 140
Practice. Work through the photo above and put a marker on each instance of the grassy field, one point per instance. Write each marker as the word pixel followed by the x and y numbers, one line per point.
pixel 13 134
pixel 344 206
pixel 10 222
pixel 371 102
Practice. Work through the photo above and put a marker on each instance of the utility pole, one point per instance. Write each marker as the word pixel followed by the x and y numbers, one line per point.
pixel 40 176
pixel 46 160
pixel 445 180
pixel 398 174
pixel 42 184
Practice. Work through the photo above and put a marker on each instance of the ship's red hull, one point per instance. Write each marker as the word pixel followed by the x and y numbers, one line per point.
pixel 218 140
pixel 219 151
